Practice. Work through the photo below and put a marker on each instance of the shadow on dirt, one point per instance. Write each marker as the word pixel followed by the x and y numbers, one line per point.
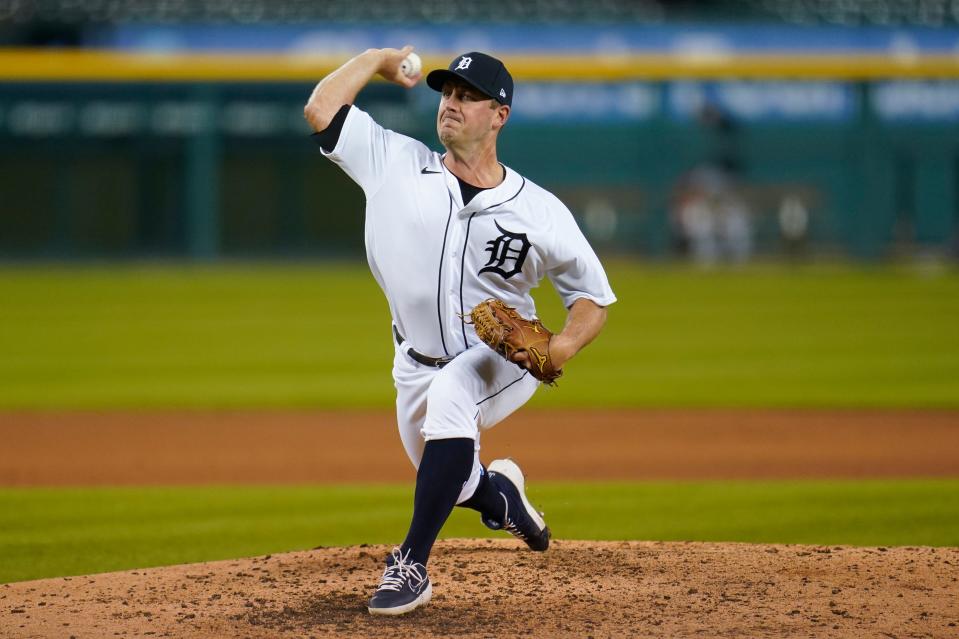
pixel 346 614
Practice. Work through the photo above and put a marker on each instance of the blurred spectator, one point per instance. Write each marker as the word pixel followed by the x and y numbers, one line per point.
pixel 793 219
pixel 710 219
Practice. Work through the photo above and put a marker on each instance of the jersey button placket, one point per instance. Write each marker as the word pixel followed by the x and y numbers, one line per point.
pixel 463 291
pixel 454 250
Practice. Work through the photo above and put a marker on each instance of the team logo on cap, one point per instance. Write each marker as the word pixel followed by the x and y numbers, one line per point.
pixel 465 62
pixel 502 93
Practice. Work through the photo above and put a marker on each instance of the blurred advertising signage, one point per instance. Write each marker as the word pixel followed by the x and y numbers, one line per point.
pixel 347 39
pixel 40 118
pixel 915 101
pixel 763 101
pixel 585 102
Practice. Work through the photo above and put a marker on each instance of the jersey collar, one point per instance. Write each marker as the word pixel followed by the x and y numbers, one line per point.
pixel 484 200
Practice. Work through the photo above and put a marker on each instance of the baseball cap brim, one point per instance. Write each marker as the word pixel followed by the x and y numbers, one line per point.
pixel 438 77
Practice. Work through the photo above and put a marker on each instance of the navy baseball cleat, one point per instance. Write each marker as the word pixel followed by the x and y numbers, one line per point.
pixel 404 586
pixel 520 518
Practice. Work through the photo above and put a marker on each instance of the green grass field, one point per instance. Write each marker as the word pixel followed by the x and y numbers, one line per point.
pixel 54 532
pixel 252 335
pixel 255 335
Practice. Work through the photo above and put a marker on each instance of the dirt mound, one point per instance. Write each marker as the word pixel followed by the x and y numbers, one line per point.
pixel 496 589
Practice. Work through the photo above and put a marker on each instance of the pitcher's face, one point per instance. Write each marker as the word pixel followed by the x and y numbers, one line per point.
pixel 466 115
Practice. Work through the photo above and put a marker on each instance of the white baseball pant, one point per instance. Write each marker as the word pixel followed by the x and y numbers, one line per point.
pixel 474 392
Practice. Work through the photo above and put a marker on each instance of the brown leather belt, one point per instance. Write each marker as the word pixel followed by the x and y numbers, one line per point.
pixel 425 360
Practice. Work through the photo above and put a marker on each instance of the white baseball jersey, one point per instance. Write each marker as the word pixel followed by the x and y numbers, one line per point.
pixel 435 258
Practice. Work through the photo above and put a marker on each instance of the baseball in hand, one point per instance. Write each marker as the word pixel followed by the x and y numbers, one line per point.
pixel 411 65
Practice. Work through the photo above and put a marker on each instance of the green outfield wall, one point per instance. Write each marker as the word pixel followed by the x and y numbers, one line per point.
pixel 133 160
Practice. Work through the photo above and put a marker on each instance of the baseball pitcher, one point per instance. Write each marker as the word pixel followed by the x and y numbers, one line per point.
pixel 457 240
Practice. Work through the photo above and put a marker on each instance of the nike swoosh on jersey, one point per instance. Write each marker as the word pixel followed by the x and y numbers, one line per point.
pixel 426 171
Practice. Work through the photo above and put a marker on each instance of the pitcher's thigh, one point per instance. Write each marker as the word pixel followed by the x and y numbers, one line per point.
pixel 412 386
pixel 477 389
pixel 499 406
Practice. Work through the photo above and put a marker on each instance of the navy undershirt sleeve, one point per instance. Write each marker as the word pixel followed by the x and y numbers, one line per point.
pixel 328 137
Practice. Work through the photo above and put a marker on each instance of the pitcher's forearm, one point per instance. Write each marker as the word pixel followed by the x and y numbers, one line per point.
pixel 584 322
pixel 341 87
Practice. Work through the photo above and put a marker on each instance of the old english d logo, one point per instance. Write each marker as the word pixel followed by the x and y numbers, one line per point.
pixel 509 249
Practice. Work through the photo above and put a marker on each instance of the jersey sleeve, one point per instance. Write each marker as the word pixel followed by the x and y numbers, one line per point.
pixel 365 150
pixel 328 137
pixel 572 265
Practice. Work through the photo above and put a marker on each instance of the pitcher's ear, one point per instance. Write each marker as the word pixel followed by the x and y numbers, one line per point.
pixel 502 112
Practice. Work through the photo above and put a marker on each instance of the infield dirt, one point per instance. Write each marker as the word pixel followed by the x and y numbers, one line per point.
pixel 496 588
pixel 277 447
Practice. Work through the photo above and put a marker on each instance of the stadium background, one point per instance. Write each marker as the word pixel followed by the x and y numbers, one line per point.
pixel 773 185
pixel 175 128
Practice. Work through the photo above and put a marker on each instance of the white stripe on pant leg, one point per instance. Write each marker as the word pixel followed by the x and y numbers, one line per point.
pixel 498 408
pixel 470 485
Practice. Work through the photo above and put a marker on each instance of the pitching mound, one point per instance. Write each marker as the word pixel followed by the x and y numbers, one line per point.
pixel 496 589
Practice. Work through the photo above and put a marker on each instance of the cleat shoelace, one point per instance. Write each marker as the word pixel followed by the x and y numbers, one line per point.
pixel 402 571
pixel 508 524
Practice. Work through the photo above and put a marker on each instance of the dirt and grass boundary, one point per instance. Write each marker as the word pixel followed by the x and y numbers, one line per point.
pixel 487 588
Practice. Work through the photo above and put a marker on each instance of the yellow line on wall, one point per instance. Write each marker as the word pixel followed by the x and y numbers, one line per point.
pixel 32 65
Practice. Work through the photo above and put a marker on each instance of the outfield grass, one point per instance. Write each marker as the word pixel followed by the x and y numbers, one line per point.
pixel 70 531
pixel 255 335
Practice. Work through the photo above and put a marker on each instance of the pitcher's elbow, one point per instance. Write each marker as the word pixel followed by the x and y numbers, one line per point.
pixel 316 116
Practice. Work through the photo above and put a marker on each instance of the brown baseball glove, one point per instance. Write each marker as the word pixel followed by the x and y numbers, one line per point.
pixel 507 332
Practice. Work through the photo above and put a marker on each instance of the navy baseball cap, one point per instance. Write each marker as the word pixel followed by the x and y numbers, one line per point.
pixel 483 72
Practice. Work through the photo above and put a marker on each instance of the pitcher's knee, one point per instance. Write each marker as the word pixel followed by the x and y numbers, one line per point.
pixel 449 425
pixel 451 409
pixel 450 412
